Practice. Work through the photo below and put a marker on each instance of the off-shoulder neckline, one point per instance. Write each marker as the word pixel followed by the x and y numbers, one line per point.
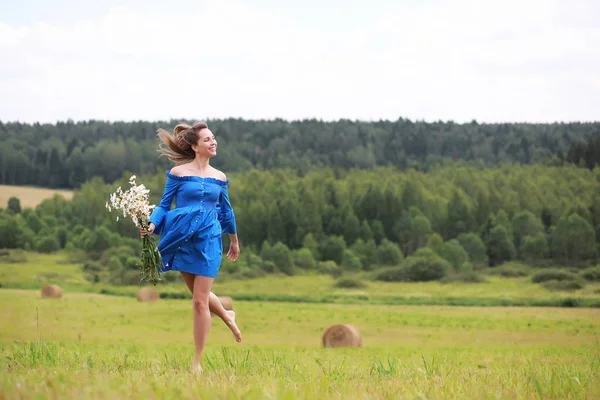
pixel 193 178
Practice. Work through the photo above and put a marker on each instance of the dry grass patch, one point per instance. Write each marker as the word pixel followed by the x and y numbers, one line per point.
pixel 30 197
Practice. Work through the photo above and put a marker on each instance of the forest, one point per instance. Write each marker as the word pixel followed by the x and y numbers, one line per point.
pixel 387 224
pixel 68 154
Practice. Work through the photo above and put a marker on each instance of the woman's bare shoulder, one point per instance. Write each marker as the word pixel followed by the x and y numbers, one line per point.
pixel 178 170
pixel 219 175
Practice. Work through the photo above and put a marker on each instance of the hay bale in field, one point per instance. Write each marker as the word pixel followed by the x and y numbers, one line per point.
pixel 52 291
pixel 343 335
pixel 147 294
pixel 226 302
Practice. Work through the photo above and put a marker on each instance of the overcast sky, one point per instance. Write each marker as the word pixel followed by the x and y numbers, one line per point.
pixel 493 61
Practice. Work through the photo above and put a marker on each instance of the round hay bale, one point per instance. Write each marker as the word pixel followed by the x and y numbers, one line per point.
pixel 226 302
pixel 147 294
pixel 343 335
pixel 52 291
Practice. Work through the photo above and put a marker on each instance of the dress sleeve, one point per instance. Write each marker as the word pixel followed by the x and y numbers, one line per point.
pixel 226 215
pixel 163 208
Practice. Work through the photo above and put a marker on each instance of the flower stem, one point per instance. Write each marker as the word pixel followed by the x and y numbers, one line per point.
pixel 151 261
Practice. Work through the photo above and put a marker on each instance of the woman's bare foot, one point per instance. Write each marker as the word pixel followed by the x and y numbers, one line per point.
pixel 196 367
pixel 231 324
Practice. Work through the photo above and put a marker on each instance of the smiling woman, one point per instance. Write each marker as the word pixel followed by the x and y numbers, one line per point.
pixel 178 147
pixel 191 233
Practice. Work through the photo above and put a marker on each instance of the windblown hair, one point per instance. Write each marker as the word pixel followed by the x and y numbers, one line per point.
pixel 178 146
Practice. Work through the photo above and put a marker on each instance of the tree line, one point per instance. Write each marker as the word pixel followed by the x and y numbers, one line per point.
pixel 452 218
pixel 67 154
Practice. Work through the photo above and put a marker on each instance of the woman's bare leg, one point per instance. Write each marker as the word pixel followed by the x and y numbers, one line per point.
pixel 228 316
pixel 189 280
pixel 216 307
pixel 202 285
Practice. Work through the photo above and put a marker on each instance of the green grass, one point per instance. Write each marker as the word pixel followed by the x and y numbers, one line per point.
pixel 497 291
pixel 41 269
pixel 90 346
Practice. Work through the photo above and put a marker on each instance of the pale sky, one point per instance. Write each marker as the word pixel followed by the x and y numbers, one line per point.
pixel 493 61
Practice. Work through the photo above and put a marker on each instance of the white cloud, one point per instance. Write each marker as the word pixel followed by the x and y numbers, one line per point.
pixel 492 61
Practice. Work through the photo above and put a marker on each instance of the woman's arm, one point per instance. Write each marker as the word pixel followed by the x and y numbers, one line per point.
pixel 164 206
pixel 227 220
pixel 234 247
pixel 226 215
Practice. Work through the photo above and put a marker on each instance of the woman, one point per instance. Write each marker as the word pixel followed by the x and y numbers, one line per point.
pixel 191 233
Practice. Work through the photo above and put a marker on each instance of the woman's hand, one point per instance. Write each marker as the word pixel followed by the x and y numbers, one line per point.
pixel 234 251
pixel 144 232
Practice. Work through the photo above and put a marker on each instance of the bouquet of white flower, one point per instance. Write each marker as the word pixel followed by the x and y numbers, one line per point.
pixel 134 204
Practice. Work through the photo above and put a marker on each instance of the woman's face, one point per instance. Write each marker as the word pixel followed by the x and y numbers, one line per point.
pixel 207 144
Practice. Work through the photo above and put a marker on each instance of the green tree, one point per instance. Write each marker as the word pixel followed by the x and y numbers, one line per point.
pixel 574 239
pixel 460 215
pixel 47 244
pixel 474 247
pixel 503 220
pixel 282 257
pixel 425 266
pixel 114 264
pixel 311 244
pixel 253 261
pixel 421 229
pixel 14 205
pixel 332 248
pixel 352 229
pixel 454 253
pixel 99 240
pixel 500 247
pixel 402 233
pixel 12 230
pixel 266 251
pixel 435 241
pixel 389 253
pixel 534 247
pixel 351 262
pixel 304 259
pixel 366 233
pixel 378 233
pixel 366 252
pixel 275 225
pixel 524 224
pixel 34 222
pixel 62 236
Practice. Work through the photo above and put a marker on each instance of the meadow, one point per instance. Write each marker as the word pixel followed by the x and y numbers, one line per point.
pixel 89 345
pixel 33 270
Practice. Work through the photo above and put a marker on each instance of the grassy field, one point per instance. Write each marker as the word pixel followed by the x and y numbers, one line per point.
pixel 90 346
pixel 39 269
pixel 35 269
pixel 30 197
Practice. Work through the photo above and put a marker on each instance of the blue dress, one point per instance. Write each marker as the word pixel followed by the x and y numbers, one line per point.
pixel 191 232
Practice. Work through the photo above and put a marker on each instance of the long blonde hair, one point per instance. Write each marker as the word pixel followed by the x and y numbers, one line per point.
pixel 178 146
